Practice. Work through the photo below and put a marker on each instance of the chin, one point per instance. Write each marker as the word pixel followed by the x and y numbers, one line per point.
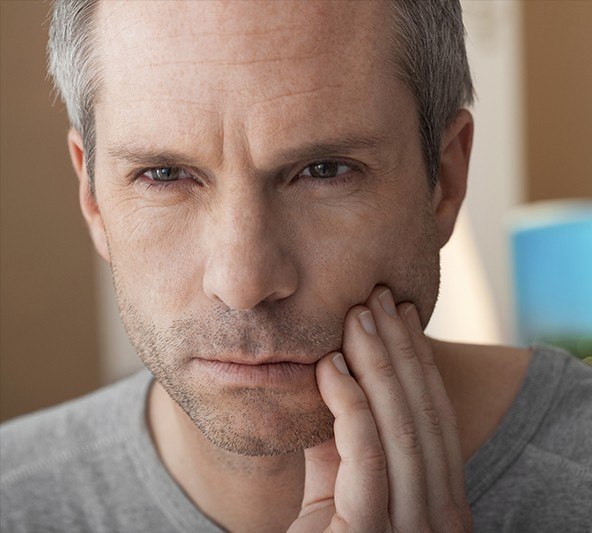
pixel 255 421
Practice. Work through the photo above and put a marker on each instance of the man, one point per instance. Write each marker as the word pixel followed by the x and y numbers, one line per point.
pixel 271 183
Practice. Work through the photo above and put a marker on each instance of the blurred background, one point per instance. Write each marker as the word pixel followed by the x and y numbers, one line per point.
pixel 60 332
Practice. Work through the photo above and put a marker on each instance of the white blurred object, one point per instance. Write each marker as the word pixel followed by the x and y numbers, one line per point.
pixel 498 162
pixel 476 303
pixel 466 309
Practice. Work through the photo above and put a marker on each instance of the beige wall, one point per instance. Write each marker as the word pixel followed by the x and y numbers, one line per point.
pixel 558 77
pixel 48 341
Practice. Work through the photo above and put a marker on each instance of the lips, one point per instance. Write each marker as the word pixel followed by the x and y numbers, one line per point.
pixel 263 361
pixel 269 372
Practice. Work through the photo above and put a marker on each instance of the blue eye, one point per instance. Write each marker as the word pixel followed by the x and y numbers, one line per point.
pixel 166 174
pixel 325 170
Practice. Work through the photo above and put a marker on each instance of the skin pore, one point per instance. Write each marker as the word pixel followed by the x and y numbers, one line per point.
pixel 249 254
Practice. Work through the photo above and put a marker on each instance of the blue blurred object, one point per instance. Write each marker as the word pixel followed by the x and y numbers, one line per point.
pixel 552 268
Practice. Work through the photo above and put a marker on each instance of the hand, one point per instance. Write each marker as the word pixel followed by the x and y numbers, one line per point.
pixel 395 462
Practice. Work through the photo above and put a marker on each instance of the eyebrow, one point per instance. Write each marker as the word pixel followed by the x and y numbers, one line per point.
pixel 147 156
pixel 342 145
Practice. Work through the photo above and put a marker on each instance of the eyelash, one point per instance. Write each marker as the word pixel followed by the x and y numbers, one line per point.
pixel 327 182
pixel 338 180
pixel 150 183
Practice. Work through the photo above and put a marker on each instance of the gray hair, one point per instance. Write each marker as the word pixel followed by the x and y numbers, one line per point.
pixel 74 69
pixel 432 62
pixel 429 37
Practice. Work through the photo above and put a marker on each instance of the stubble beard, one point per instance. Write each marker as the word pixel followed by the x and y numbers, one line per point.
pixel 247 421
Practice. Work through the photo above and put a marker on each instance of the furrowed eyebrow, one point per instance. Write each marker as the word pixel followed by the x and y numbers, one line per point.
pixel 343 145
pixel 146 156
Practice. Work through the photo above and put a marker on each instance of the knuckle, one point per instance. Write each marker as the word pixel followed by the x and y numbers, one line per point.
pixel 429 366
pixel 404 347
pixel 407 437
pixel 373 458
pixel 358 403
pixel 452 419
pixel 384 368
pixel 430 419
pixel 448 415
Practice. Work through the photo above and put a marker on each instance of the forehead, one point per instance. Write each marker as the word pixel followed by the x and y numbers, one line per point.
pixel 219 60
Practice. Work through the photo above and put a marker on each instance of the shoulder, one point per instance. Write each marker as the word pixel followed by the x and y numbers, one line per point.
pixel 551 391
pixel 534 473
pixel 566 430
pixel 65 468
pixel 44 439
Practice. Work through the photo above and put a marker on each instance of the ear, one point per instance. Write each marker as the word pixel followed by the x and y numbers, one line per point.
pixel 88 203
pixel 451 188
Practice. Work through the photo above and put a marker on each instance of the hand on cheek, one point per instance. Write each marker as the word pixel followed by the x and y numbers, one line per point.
pixel 395 462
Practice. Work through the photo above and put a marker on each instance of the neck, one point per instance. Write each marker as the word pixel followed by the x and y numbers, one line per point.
pixel 232 490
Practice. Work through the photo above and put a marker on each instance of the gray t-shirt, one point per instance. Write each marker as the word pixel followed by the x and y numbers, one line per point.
pixel 90 465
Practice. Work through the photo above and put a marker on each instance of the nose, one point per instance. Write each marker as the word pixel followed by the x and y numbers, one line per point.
pixel 249 261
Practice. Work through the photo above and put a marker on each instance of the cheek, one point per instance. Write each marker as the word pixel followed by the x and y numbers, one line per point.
pixel 155 257
pixel 352 253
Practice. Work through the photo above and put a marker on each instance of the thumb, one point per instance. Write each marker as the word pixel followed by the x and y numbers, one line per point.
pixel 318 506
pixel 321 465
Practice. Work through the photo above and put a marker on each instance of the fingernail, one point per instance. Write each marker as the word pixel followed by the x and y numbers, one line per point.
pixel 412 319
pixel 387 302
pixel 367 322
pixel 340 365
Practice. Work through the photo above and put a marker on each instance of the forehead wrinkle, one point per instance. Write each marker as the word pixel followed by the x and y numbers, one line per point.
pixel 161 99
pixel 295 94
pixel 321 42
pixel 189 144
pixel 264 31
pixel 189 33
pixel 245 62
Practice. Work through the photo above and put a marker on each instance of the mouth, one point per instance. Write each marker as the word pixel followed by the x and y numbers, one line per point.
pixel 251 373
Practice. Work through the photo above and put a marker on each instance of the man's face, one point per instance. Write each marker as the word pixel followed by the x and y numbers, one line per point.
pixel 297 186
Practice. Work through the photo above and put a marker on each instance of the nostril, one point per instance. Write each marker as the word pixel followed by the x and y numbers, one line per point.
pixel 243 285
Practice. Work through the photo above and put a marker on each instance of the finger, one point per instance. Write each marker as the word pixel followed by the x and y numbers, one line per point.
pixel 397 339
pixel 371 365
pixel 442 403
pixel 361 486
pixel 321 464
